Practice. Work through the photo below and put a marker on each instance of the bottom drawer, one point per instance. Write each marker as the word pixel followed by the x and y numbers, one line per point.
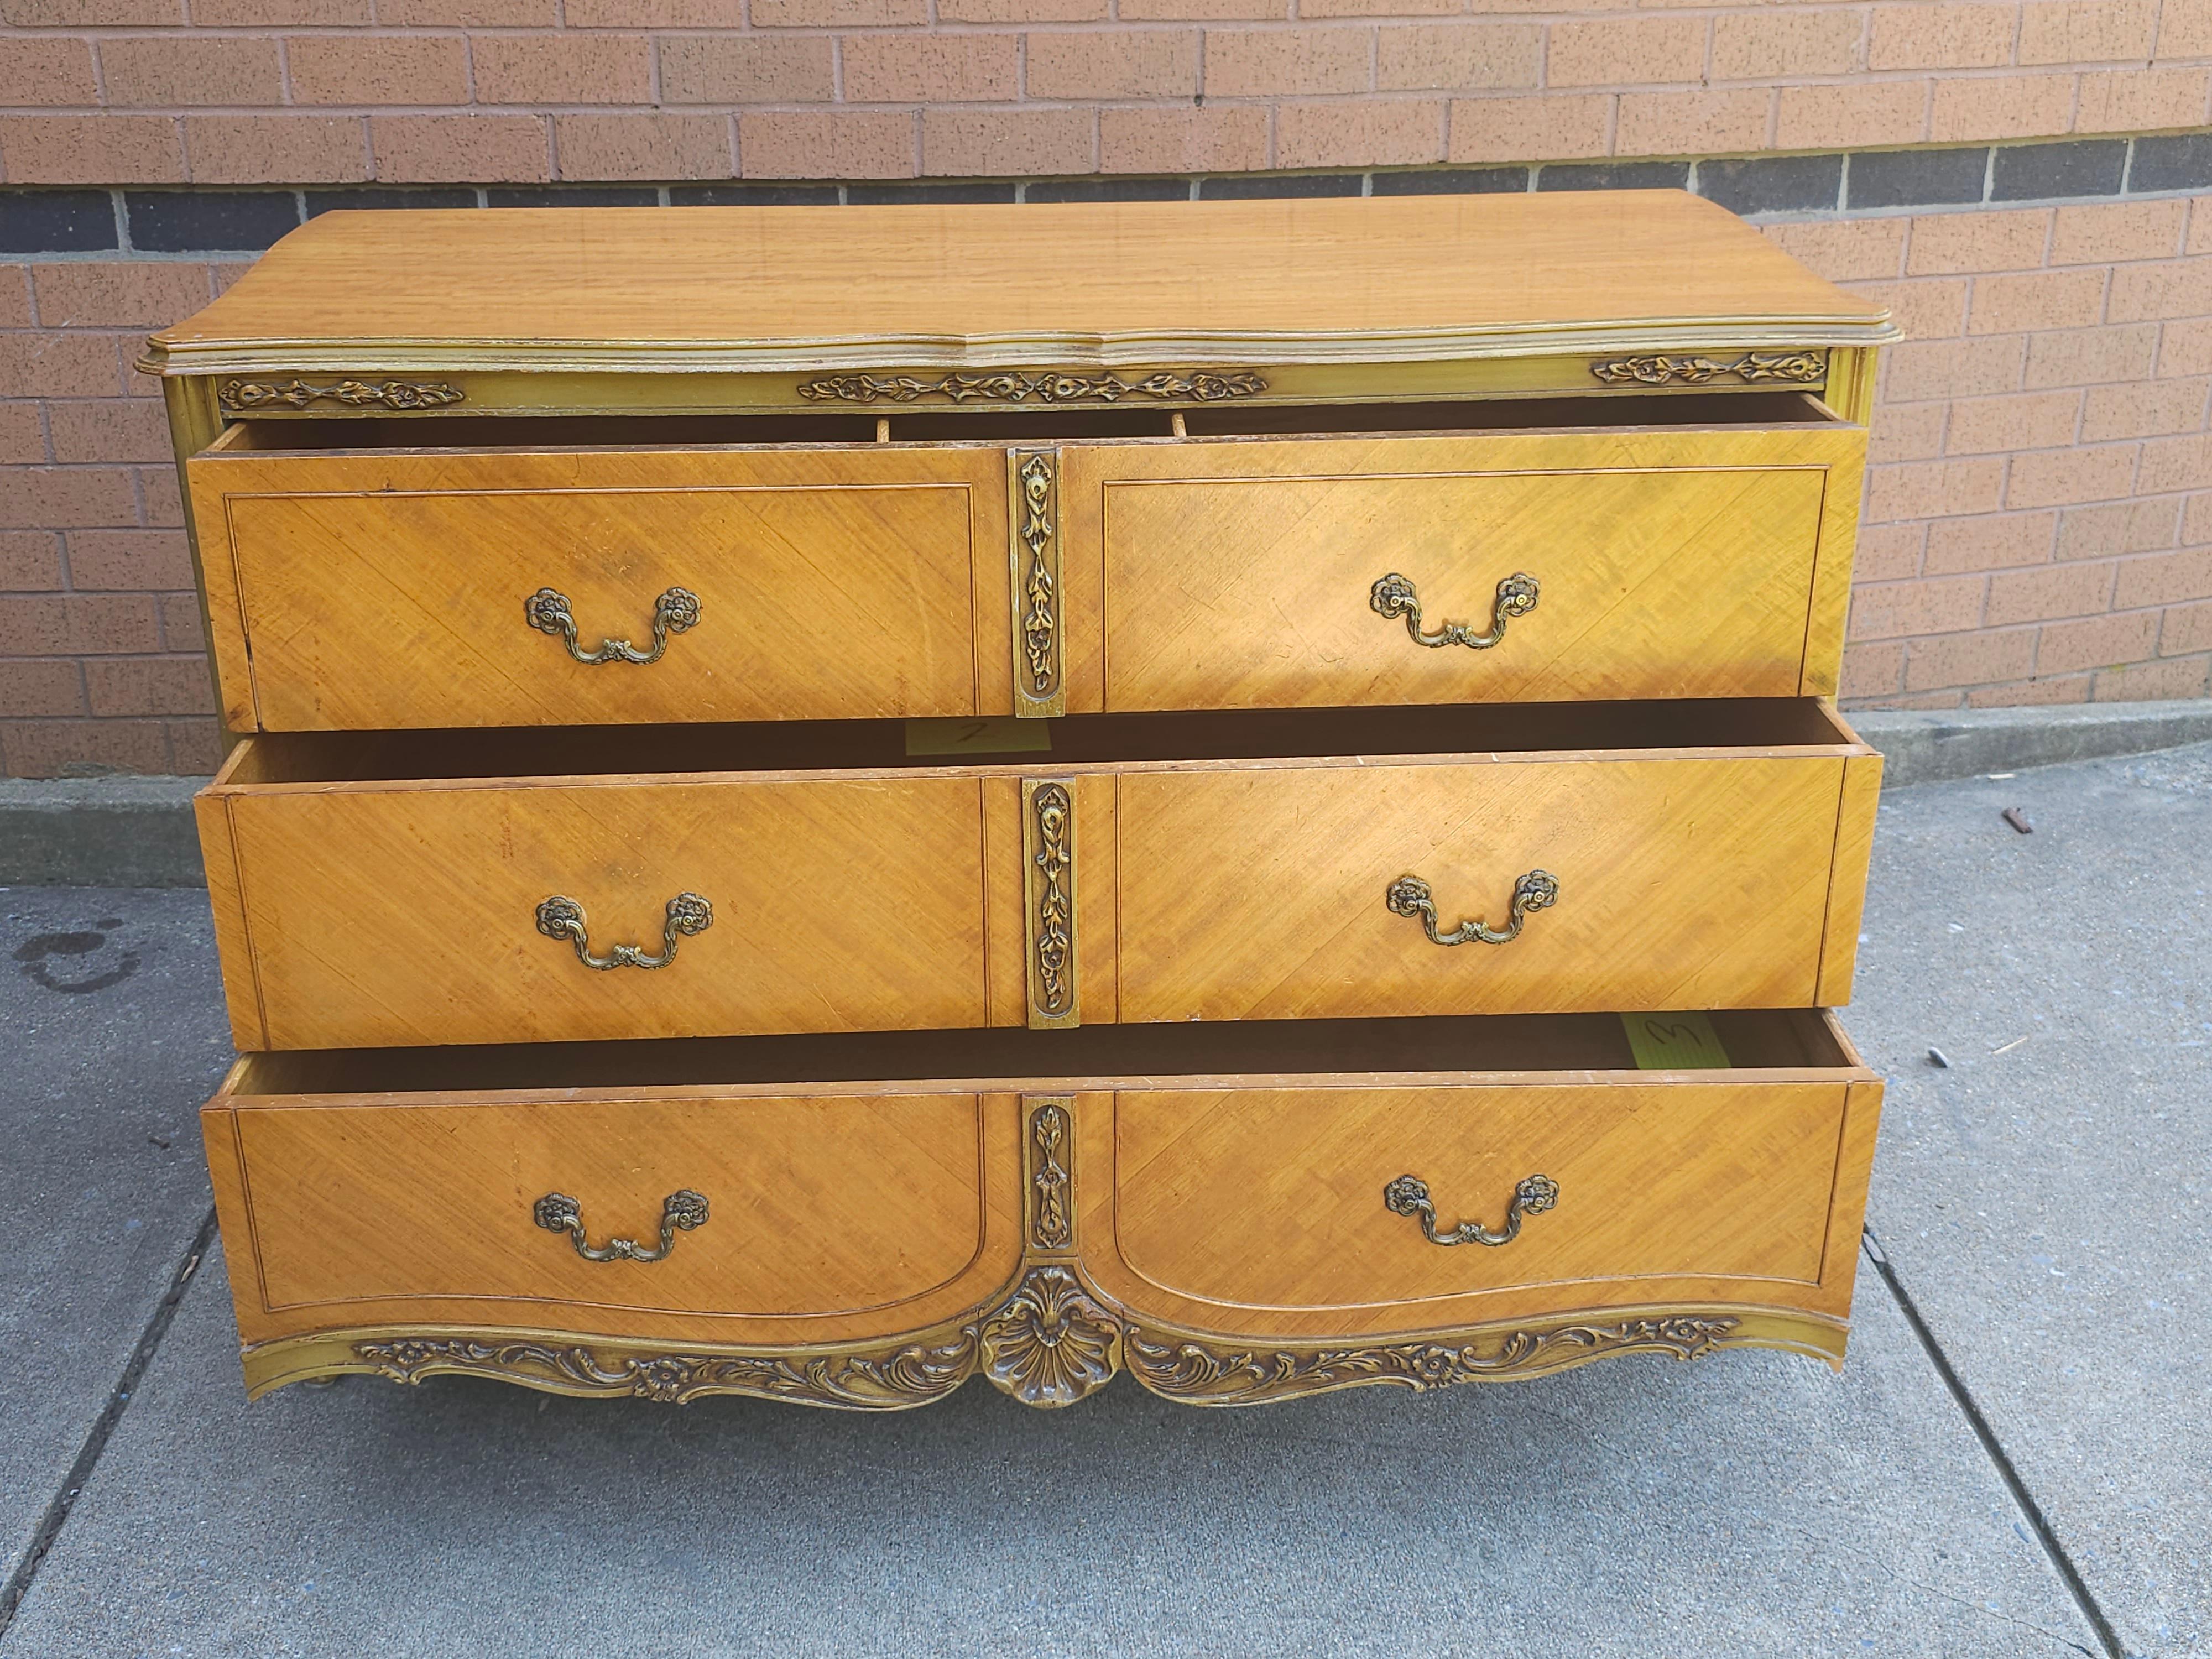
pixel 1231 1214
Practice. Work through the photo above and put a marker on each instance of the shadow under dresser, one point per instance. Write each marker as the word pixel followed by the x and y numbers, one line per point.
pixel 820 808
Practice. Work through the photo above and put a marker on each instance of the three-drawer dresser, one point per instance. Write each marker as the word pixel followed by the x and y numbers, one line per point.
pixel 827 800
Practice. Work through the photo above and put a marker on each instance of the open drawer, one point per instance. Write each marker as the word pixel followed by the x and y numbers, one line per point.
pixel 559 572
pixel 1564 548
pixel 1230 1213
pixel 497 886
pixel 566 570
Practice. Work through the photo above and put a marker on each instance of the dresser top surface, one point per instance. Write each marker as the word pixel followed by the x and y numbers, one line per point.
pixel 1345 280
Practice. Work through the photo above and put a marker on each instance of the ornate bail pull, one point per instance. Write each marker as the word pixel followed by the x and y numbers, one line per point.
pixel 1393 596
pixel 676 611
pixel 1409 1195
pixel 558 1213
pixel 1409 896
pixel 560 917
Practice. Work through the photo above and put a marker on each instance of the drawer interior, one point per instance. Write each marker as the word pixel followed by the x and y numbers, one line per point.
pixel 1370 1052
pixel 1684 411
pixel 1762 725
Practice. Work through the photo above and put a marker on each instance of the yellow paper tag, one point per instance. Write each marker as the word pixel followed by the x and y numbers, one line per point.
pixel 995 734
pixel 1674 1042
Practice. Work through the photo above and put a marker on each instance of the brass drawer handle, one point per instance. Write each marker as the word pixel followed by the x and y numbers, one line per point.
pixel 673 612
pixel 1393 596
pixel 1409 1195
pixel 1409 896
pixel 559 917
pixel 558 1213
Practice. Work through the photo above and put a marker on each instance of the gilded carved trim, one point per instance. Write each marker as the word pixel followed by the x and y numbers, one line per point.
pixel 1754 368
pixel 888 1378
pixel 1201 1373
pixel 1052 1218
pixel 243 396
pixel 1017 386
pixel 1048 894
pixel 1033 558
pixel 1049 1341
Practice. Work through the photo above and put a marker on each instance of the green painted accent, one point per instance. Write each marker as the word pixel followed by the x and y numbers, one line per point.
pixel 1674 1042
pixel 968 734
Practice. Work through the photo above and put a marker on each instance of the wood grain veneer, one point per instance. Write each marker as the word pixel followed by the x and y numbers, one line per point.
pixel 1238 882
pixel 1672 563
pixel 377 1192
pixel 1127 283
pixel 828 1219
pixel 1053 1048
pixel 378 914
pixel 386 588
pixel 356 581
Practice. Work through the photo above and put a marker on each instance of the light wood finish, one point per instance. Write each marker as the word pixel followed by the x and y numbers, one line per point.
pixel 964 286
pixel 195 421
pixel 1855 821
pixel 235 951
pixel 397 915
pixel 1173 446
pixel 1204 1198
pixel 386 588
pixel 828 1217
pixel 1231 882
pixel 1261 1203
pixel 1685 883
pixel 1675 563
pixel 1850 382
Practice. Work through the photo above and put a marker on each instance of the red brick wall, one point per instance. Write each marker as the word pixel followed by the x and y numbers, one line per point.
pixel 226 92
pixel 100 634
pixel 2038 519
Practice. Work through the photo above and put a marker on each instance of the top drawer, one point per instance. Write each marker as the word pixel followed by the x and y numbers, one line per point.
pixel 1541 551
pixel 384 587
pixel 1026 562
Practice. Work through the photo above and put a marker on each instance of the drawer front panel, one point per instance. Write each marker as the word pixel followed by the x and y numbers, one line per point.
pixel 1666 565
pixel 359 591
pixel 814 1206
pixel 408 915
pixel 1273 1198
pixel 1682 883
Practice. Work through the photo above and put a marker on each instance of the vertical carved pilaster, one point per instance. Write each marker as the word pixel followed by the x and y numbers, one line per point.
pixel 1048 902
pixel 1050 1154
pixel 1033 558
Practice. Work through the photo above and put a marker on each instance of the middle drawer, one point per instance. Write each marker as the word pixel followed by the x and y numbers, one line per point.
pixel 398 889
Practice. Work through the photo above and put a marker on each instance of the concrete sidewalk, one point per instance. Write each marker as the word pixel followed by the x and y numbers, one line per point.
pixel 2023 1474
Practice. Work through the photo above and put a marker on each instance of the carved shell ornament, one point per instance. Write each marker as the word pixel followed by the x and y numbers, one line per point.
pixel 1050 1343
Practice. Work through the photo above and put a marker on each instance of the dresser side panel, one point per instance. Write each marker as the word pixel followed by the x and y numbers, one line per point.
pixel 1856 808
pixel 1831 601
pixel 233 938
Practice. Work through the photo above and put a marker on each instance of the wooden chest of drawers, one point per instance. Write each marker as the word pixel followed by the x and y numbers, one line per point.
pixel 831 800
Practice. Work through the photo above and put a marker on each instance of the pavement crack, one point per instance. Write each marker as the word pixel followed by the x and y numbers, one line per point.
pixel 2107 1639
pixel 103 1427
pixel 1842 1547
